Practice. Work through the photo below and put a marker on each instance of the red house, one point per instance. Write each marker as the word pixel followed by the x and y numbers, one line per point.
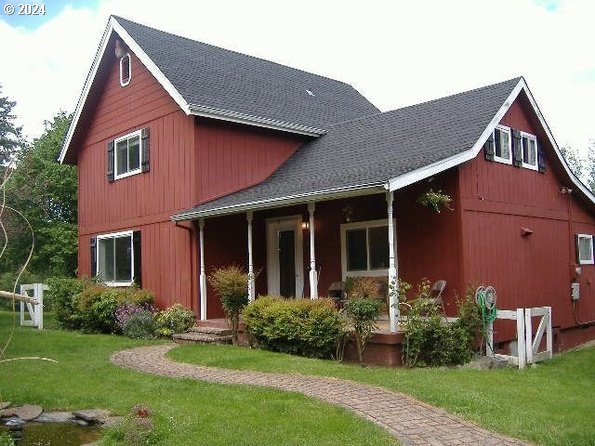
pixel 192 157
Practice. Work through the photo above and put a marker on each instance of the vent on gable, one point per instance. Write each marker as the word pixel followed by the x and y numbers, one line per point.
pixel 125 70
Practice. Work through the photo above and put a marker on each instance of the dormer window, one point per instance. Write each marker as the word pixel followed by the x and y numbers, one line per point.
pixel 125 69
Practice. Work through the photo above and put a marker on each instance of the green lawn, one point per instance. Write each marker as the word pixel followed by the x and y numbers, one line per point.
pixel 551 404
pixel 186 412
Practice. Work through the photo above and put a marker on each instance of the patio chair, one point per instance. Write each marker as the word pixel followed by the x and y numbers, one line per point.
pixel 436 294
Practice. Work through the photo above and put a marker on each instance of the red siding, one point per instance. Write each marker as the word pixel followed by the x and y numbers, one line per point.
pixel 232 157
pixel 499 200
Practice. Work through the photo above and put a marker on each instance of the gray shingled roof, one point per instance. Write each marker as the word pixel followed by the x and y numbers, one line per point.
pixel 208 76
pixel 375 149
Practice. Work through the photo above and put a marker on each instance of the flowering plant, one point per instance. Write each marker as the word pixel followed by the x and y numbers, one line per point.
pixel 435 200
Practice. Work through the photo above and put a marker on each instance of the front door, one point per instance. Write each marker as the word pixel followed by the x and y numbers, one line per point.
pixel 285 257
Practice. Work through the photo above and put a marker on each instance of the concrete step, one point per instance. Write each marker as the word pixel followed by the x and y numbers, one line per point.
pixel 201 338
pixel 210 330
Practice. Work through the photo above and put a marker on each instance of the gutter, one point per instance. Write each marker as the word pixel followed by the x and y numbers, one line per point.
pixel 328 194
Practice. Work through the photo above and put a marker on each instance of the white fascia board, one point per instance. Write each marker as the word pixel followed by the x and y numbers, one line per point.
pixel 114 26
pixel 442 165
pixel 256 121
pixel 328 194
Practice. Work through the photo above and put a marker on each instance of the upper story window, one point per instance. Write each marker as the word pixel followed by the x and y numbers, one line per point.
pixel 584 249
pixel 502 150
pixel 125 69
pixel 529 149
pixel 128 155
pixel 364 248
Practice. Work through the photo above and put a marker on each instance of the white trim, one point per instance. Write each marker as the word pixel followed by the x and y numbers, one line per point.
pixel 508 131
pixel 198 110
pixel 393 298
pixel 122 82
pixel 533 138
pixel 581 261
pixel 442 165
pixel 327 194
pixel 115 235
pixel 273 225
pixel 313 275
pixel 344 227
pixel 137 133
pixel 203 276
pixel 251 295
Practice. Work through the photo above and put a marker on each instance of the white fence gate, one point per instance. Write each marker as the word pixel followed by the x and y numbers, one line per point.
pixel 527 344
pixel 34 310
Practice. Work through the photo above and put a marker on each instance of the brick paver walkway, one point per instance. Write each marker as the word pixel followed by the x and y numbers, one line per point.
pixel 411 421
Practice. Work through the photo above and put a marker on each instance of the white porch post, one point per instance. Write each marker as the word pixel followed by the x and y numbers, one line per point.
pixel 202 277
pixel 393 309
pixel 313 274
pixel 249 216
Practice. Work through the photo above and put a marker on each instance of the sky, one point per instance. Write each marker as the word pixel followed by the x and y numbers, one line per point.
pixel 396 53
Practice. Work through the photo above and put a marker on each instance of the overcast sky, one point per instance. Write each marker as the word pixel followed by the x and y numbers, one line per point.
pixel 396 53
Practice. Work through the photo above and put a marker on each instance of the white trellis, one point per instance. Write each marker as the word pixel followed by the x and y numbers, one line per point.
pixel 34 308
pixel 527 344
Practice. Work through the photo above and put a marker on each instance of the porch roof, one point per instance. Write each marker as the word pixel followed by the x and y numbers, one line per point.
pixel 363 155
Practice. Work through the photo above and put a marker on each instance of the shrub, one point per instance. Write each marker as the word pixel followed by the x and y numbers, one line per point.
pixel 361 313
pixel 231 283
pixel 175 319
pixel 6 439
pixel 302 327
pixel 141 325
pixel 62 293
pixel 430 341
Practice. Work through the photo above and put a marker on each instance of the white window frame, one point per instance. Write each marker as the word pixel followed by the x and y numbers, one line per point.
pixel 112 236
pixel 136 134
pixel 500 159
pixel 534 139
pixel 581 261
pixel 362 225
pixel 123 82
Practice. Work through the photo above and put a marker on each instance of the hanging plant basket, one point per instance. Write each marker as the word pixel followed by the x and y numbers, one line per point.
pixel 435 200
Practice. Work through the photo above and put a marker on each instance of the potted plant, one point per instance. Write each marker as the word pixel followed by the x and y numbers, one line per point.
pixel 435 200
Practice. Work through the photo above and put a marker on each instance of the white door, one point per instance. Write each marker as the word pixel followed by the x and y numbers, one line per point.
pixel 285 268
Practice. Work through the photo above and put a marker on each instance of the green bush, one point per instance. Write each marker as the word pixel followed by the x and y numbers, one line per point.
pixel 175 319
pixel 6 439
pixel 81 304
pixel 361 314
pixel 430 341
pixel 62 293
pixel 231 283
pixel 302 327
pixel 141 325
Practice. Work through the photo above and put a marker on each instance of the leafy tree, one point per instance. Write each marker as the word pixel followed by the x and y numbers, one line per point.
pixel 573 159
pixel 46 193
pixel 591 166
pixel 10 135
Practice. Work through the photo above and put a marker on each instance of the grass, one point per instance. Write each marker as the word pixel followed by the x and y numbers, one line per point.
pixel 551 404
pixel 186 412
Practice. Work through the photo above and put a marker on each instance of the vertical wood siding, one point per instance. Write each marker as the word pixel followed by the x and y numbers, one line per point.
pixel 499 200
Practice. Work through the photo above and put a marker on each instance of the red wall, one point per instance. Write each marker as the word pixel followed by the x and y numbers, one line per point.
pixel 497 201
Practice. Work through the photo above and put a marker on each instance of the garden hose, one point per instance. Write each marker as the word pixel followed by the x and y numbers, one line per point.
pixel 486 299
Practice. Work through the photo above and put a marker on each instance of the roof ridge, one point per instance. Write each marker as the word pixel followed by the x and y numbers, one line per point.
pixel 261 59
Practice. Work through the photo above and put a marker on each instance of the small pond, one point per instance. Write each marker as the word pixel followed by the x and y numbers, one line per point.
pixel 57 434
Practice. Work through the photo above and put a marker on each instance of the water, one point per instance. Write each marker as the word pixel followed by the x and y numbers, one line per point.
pixel 57 434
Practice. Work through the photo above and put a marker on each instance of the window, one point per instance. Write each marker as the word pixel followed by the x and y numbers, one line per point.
pixel 125 70
pixel 529 148
pixel 584 249
pixel 502 152
pixel 115 258
pixel 128 155
pixel 364 248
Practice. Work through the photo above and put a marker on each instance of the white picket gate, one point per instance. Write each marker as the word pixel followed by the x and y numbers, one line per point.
pixel 34 310
pixel 527 344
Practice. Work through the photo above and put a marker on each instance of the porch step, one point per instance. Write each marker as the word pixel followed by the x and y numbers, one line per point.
pixel 201 338
pixel 210 330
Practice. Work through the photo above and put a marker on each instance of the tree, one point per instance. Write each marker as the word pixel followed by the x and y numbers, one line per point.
pixel 10 135
pixel 573 159
pixel 46 193
pixel 591 166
